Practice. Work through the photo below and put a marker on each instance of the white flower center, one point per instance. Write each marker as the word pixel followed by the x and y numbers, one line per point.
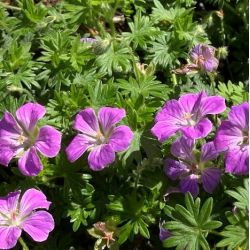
pixel 22 139
pixel 188 118
pixel 100 138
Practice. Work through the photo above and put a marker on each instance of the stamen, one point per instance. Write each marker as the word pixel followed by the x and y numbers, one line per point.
pixel 21 139
pixel 100 138
pixel 188 117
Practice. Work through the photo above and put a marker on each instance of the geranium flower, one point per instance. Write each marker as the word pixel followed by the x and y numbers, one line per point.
pixel 233 137
pixel 21 138
pixel 202 58
pixel 188 116
pixel 99 136
pixel 164 233
pixel 202 55
pixel 192 169
pixel 23 214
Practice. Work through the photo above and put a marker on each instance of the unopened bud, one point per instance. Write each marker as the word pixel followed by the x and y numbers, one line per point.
pixel 222 52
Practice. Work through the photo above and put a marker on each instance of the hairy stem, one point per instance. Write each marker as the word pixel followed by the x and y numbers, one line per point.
pixel 24 246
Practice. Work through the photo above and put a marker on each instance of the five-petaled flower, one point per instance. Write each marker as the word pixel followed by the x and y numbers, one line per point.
pixel 191 168
pixel 21 138
pixel 233 137
pixel 24 214
pixel 99 136
pixel 188 116
pixel 203 57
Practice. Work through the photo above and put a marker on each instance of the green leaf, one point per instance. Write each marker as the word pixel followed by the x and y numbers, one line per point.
pixel 190 226
pixel 143 228
pixel 142 31
pixel 241 194
pixel 233 92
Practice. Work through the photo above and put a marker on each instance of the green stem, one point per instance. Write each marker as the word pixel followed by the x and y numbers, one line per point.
pixel 174 79
pixel 211 77
pixel 10 7
pixel 21 241
pixel 101 29
pixel 111 22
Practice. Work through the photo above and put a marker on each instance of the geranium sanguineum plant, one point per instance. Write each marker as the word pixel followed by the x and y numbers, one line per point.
pixel 100 136
pixel 233 137
pixel 24 214
pixel 21 138
pixel 187 115
pixel 193 167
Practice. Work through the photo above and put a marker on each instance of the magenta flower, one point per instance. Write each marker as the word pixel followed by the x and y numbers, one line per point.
pixel 202 56
pixel 187 115
pixel 164 233
pixel 233 137
pixel 99 136
pixel 192 169
pixel 21 138
pixel 88 40
pixel 24 214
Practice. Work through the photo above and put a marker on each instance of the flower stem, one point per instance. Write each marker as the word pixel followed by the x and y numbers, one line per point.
pixel 21 241
pixel 213 84
pixel 174 79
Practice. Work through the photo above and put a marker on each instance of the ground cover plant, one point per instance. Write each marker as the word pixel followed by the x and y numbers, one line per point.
pixel 124 124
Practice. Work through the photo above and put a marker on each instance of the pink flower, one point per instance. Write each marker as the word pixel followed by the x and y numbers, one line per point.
pixel 203 56
pixel 22 214
pixel 99 136
pixel 188 115
pixel 232 137
pixel 21 138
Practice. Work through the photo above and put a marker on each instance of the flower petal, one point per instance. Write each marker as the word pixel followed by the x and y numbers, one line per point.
pixel 237 161
pixel 211 64
pixel 38 225
pixel 172 111
pixel 210 179
pixel 29 164
pixel 164 233
pixel 10 132
pixel 49 141
pixel 164 129
pixel 108 117
pixel 239 115
pixel 187 102
pixel 200 130
pixel 197 105
pixel 183 148
pixel 9 128
pixel 120 138
pixel 212 105
pixel 9 202
pixel 28 115
pixel 32 199
pixel 228 136
pixel 190 184
pixel 101 156
pixel 174 169
pixel 78 146
pixel 7 152
pixel 9 236
pixel 86 122
pixel 208 152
